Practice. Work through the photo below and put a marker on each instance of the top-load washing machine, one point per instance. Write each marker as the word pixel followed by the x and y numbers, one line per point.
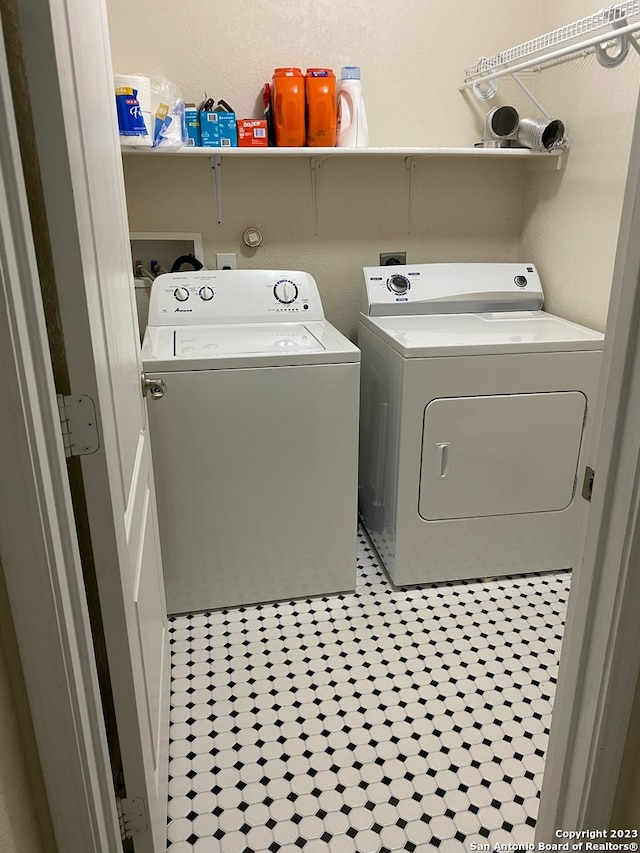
pixel 254 438
pixel 476 411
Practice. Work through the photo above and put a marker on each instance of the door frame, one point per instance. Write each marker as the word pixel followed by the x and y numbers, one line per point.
pixel 40 555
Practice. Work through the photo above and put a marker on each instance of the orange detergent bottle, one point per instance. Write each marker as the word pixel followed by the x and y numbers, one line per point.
pixel 288 106
pixel 320 86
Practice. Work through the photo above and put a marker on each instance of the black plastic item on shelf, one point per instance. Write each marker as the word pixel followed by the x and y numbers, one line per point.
pixel 186 259
pixel 223 107
pixel 209 105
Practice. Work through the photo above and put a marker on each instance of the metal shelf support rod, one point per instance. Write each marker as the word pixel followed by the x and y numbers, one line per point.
pixel 531 96
pixel 315 163
pixel 611 35
pixel 216 175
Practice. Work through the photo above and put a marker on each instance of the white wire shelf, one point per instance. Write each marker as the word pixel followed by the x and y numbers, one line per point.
pixel 609 32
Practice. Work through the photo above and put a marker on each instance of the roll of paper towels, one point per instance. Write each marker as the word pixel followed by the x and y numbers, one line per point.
pixel 134 120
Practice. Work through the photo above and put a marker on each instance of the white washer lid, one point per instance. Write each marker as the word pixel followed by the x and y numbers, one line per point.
pixel 212 341
pixel 182 348
pixel 465 334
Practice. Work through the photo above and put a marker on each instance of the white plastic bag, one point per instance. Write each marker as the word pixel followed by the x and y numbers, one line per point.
pixel 167 105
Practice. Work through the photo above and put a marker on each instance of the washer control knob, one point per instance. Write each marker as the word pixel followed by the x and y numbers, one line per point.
pixel 285 291
pixel 205 293
pixel 520 281
pixel 181 294
pixel 398 284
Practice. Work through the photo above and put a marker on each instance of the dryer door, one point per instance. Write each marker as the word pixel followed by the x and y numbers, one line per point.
pixel 500 454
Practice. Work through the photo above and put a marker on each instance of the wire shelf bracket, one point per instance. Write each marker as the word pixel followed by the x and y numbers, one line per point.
pixel 613 37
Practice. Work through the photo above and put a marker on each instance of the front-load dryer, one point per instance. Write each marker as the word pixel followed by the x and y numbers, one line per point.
pixel 476 410
pixel 254 441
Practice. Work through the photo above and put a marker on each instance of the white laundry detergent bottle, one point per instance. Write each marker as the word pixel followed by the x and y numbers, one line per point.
pixel 353 130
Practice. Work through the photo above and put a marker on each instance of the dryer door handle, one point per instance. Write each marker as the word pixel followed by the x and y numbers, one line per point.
pixel 442 466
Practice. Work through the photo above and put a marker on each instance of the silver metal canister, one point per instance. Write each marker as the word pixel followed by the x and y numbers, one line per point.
pixel 500 127
pixel 541 134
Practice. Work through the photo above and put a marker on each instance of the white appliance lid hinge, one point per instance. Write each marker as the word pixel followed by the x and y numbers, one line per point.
pixel 132 816
pixel 78 424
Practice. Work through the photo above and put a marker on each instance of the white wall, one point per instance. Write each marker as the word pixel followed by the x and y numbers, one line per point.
pixel 626 809
pixel 17 829
pixel 413 57
pixel 571 219
pixel 464 211
pixel 25 825
pixel 412 54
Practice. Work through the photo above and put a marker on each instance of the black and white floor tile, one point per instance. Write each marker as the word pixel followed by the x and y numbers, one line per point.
pixel 387 719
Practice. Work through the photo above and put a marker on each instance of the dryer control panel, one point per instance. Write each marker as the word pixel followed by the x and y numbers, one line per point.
pixel 450 289
pixel 209 297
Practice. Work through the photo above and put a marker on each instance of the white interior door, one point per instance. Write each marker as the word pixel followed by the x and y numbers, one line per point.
pixel 68 66
pixel 39 547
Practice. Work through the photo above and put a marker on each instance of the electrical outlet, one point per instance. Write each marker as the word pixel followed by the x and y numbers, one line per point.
pixel 388 259
pixel 226 260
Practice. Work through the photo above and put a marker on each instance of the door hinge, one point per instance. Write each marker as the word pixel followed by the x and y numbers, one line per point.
pixel 132 816
pixel 587 483
pixel 79 424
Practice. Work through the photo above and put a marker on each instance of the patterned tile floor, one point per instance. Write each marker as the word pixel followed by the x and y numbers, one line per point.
pixel 388 719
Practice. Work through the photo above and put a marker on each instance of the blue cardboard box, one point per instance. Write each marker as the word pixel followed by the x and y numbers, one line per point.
pixel 192 122
pixel 218 130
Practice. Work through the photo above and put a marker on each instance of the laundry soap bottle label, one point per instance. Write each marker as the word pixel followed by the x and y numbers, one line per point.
pixel 130 118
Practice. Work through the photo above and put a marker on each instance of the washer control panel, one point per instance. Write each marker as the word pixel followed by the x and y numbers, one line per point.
pixel 398 284
pixel 450 289
pixel 181 294
pixel 211 297
pixel 285 291
pixel 206 293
